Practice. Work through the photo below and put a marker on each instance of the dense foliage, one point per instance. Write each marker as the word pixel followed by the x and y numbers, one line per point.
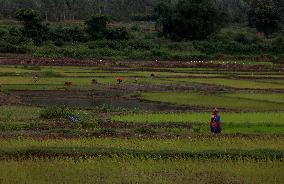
pixel 56 10
pixel 265 15
pixel 203 29
pixel 189 19
pixel 33 26
pixel 97 26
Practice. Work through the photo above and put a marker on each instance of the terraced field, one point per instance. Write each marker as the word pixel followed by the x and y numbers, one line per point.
pixel 77 124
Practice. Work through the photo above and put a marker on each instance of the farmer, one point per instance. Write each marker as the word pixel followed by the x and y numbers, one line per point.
pixel 136 80
pixel 215 123
pixel 119 80
pixel 35 78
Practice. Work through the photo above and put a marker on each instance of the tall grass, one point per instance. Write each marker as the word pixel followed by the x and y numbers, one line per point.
pixel 187 145
pixel 18 113
pixel 134 170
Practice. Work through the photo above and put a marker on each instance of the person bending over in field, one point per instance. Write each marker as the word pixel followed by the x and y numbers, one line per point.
pixel 215 123
pixel 35 78
pixel 119 80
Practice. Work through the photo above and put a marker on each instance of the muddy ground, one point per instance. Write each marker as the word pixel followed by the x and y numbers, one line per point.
pixel 92 99
pixel 7 99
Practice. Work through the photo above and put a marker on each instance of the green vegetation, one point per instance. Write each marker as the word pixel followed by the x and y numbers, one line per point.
pixel 159 123
pixel 13 78
pixel 238 102
pixel 232 122
pixel 133 170
pixel 101 37
pixel 237 118
pixel 55 112
pixel 265 15
pixel 239 83
pixel 278 98
pixel 33 26
pixel 116 145
pixel 113 117
pixel 189 19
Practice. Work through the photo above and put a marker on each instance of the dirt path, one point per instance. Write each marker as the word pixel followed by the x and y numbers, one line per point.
pixel 27 60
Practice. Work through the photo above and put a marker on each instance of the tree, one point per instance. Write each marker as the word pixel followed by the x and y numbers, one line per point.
pixel 97 26
pixel 236 10
pixel 265 16
pixel 33 26
pixel 164 12
pixel 190 19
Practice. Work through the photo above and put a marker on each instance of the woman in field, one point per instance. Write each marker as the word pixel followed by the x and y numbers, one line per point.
pixel 215 123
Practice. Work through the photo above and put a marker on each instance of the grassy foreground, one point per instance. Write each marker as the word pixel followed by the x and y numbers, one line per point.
pixel 135 170
pixel 185 145
pixel 119 160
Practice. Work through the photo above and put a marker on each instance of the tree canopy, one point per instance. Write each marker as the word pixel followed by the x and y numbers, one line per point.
pixel 33 26
pixel 189 19
pixel 265 15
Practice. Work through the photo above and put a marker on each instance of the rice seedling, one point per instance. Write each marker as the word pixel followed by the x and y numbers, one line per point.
pixel 217 100
pixel 269 122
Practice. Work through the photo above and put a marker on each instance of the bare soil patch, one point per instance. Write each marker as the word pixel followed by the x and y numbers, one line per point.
pixel 6 99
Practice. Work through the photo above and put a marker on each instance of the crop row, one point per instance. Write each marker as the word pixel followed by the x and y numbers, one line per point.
pixel 237 101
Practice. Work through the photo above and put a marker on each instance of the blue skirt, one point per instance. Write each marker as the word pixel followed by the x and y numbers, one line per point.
pixel 215 127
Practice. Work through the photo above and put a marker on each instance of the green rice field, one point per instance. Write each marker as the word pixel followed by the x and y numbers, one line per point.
pixel 77 124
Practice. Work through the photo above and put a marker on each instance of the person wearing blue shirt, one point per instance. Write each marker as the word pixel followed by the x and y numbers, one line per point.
pixel 215 123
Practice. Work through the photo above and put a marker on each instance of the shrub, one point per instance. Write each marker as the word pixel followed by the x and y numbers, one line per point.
pixel 280 59
pixel 159 53
pixel 33 26
pixel 50 73
pixel 97 26
pixel 189 19
pixel 143 130
pixel 146 18
pixel 22 48
pixel 236 41
pixel 62 34
pixel 112 44
pixel 142 44
pixel 76 34
pixel 136 28
pixel 55 112
pixel 3 32
pixel 265 15
pixel 48 51
pixel 87 120
pixel 278 43
pixel 117 34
